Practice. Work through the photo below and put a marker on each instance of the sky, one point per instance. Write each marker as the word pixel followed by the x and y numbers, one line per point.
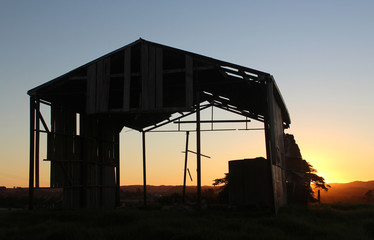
pixel 321 54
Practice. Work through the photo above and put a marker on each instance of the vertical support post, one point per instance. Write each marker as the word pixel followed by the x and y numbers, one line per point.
pixel 37 142
pixel 198 150
pixel 144 171
pixel 185 166
pixel 117 152
pixel 83 121
pixel 100 160
pixel 32 138
pixel 269 159
pixel 269 136
pixel 51 142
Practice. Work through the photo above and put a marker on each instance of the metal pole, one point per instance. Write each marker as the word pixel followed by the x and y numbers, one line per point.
pixel 31 170
pixel 185 167
pixel 198 150
pixel 144 171
pixel 37 141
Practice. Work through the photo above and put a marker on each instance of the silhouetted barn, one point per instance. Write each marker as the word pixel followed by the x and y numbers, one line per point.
pixel 141 86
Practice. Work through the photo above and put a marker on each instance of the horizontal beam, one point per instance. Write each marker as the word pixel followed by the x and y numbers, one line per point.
pixel 79 137
pixel 184 115
pixel 164 71
pixel 214 121
pixel 196 153
pixel 250 129
pixel 45 102
pixel 239 112
pixel 207 130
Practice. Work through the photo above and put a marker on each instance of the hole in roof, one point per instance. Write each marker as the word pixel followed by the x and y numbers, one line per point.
pixel 216 101
pixel 234 75
pixel 229 68
pixel 225 98
pixel 231 106
pixel 208 93
pixel 251 74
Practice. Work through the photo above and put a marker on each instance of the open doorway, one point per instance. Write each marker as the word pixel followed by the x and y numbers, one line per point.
pixel 224 136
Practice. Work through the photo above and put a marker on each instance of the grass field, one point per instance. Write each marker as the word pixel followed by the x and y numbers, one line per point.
pixel 326 221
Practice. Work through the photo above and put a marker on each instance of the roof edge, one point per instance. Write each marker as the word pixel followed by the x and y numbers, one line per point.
pixel 32 91
pixel 280 98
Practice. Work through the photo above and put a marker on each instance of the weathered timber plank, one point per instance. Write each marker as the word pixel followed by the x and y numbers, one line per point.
pixel 99 82
pixel 91 89
pixel 105 85
pixel 151 76
pixel 159 78
pixel 101 86
pixel 144 77
pixel 189 81
pixel 127 80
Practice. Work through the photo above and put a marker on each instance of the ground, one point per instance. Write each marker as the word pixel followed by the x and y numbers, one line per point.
pixel 319 221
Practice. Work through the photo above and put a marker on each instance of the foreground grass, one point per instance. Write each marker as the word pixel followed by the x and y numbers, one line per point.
pixel 332 221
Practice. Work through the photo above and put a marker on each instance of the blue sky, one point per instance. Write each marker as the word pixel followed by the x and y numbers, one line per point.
pixel 321 54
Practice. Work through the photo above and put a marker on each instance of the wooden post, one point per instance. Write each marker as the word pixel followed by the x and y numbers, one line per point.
pixel 83 126
pixel 185 166
pixel 100 160
pixel 198 155
pixel 144 171
pixel 37 142
pixel 270 138
pixel 127 80
pixel 118 187
pixel 51 142
pixel 159 78
pixel 31 170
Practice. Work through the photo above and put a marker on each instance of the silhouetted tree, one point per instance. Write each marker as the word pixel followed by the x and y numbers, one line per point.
pixel 223 195
pixel 299 172
pixel 312 179
pixel 305 173
pixel 219 181
pixel 369 195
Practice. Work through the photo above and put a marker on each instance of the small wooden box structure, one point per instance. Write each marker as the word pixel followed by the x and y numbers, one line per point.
pixel 250 183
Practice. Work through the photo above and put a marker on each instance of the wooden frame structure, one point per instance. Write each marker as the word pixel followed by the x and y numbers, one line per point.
pixel 141 86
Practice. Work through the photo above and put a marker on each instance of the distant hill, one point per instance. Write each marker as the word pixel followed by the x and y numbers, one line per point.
pixel 347 192
pixel 18 197
pixel 165 189
pixel 339 192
